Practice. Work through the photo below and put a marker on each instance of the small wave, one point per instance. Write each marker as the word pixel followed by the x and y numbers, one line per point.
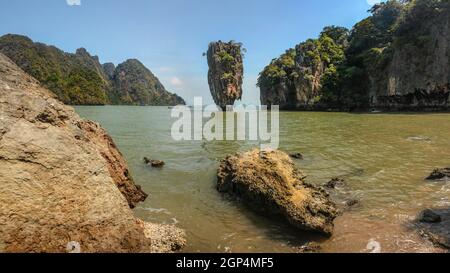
pixel 419 138
pixel 226 249
pixel 153 210
pixel 229 236
pixel 404 217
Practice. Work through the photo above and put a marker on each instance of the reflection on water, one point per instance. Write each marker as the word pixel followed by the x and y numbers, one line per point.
pixel 383 158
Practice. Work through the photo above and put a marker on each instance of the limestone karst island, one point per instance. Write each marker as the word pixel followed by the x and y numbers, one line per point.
pixel 281 127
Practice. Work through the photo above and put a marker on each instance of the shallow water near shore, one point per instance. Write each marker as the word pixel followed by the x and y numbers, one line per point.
pixel 383 158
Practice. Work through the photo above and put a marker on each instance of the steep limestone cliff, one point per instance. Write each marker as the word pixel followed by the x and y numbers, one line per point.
pixel 64 185
pixel 294 81
pixel 226 72
pixel 80 79
pixel 109 69
pixel 74 78
pixel 396 59
pixel 418 77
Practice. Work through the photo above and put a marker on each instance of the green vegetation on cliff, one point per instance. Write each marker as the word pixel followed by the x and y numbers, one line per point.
pixel 369 65
pixel 307 68
pixel 80 79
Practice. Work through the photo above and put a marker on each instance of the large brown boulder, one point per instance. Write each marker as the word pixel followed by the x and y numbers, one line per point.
pixel 226 72
pixel 269 182
pixel 64 185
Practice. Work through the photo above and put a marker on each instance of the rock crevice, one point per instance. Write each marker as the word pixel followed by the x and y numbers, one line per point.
pixel 270 183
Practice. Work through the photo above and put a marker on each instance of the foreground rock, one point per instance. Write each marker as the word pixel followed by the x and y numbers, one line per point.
pixel 439 174
pixel 80 78
pixel 154 163
pixel 435 225
pixel 64 186
pixel 269 182
pixel 226 70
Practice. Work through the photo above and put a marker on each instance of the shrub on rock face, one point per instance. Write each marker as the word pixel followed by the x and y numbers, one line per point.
pixel 269 182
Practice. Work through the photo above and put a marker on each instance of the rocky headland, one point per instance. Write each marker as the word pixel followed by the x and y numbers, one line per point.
pixel 394 60
pixel 64 185
pixel 80 78
pixel 269 183
pixel 226 72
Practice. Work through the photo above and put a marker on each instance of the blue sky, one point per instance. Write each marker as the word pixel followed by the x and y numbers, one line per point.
pixel 169 36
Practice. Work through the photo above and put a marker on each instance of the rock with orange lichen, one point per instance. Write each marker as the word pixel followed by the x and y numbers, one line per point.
pixel 269 182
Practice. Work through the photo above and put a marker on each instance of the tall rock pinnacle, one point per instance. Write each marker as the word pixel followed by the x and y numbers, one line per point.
pixel 226 71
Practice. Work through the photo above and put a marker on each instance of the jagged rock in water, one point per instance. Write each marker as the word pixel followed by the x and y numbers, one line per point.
pixel 64 185
pixel 269 183
pixel 154 163
pixel 334 182
pixel 80 79
pixel 294 80
pixel 352 202
pixel 439 174
pixel 296 156
pixel 226 72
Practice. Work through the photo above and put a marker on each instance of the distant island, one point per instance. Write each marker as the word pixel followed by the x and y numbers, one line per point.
pixel 80 79
pixel 397 59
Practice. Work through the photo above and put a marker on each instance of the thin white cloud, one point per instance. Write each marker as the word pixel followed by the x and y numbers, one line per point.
pixel 73 2
pixel 175 81
pixel 166 69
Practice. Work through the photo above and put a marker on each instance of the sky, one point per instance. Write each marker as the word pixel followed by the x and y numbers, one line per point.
pixel 170 36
